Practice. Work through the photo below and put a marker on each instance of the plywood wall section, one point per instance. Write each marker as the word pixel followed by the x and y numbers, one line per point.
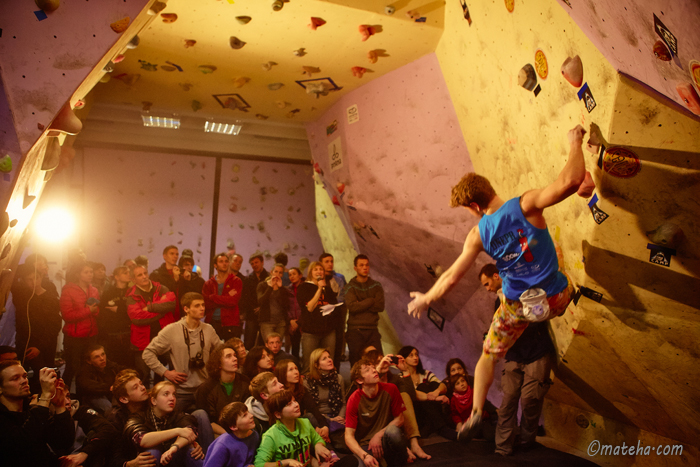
pixel 631 359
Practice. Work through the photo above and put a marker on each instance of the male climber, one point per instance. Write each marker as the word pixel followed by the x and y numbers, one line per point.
pixel 514 233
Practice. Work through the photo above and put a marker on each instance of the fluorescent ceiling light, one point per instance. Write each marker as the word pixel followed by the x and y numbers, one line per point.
pixel 160 122
pixel 223 128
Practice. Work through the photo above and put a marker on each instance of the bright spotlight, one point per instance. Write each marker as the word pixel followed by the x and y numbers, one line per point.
pixel 54 225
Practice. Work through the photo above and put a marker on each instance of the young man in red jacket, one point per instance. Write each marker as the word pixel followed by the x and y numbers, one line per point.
pixel 221 295
pixel 151 307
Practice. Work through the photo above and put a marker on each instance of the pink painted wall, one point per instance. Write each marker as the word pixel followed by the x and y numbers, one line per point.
pixel 400 161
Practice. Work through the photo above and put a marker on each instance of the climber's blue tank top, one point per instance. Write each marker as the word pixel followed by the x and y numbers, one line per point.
pixel 524 254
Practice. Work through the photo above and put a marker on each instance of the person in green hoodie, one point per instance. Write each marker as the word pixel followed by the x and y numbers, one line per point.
pixel 291 441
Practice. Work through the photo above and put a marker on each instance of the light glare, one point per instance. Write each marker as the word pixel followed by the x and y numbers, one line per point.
pixel 54 225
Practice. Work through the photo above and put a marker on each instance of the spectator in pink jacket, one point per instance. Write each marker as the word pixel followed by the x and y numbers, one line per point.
pixel 79 309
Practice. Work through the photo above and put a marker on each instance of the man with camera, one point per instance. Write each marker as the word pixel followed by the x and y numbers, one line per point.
pixel 188 342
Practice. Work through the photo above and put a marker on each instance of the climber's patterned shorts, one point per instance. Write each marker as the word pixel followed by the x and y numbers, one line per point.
pixel 508 323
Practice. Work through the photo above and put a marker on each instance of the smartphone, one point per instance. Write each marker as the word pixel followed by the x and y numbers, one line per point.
pixel 92 301
pixel 395 360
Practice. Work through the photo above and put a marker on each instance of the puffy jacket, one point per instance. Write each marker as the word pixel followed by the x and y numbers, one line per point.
pixel 161 309
pixel 266 295
pixel 230 314
pixel 80 322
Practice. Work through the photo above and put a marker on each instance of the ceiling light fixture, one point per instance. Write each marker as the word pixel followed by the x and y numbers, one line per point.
pixel 223 128
pixel 160 122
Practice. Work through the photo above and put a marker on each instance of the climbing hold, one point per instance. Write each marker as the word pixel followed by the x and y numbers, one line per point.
pixel 335 200
pixel 390 9
pixel 316 22
pixel 6 251
pixel 28 199
pixel 366 31
pixel 318 169
pixel 292 113
pixel 282 104
pixel 234 104
pixel 206 69
pixel 109 67
pixel 309 70
pixel 169 17
pixel 358 71
pixel 661 51
pixel 261 116
pixel 196 105
pixel 275 86
pixel 243 19
pixel 413 14
pixel 156 8
pixel 236 43
pixel 65 122
pixel 465 11
pixel 190 43
pixel 582 421
pixel 148 66
pixel 373 55
pixel 300 52
pixel 541 64
pixel 121 25
pixel 118 58
pixel 510 5
pixel 146 106
pixel 668 234
pixel 167 68
pixel 689 96
pixel 527 77
pixel 174 65
pixel 233 207
pixel 374 232
pixel 48 5
pixel 133 43
pixel 585 190
pixel 240 82
pixel 79 104
pixel 317 89
pixel 185 86
pixel 341 187
pixel 621 162
pixel 268 66
pixel 6 164
pixel 572 70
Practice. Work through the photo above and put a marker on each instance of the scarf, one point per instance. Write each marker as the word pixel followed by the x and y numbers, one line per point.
pixel 335 397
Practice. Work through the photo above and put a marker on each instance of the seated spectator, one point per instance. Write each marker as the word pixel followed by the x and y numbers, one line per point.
pixel 190 281
pixel 7 353
pixel 461 404
pixel 168 434
pixel 29 435
pixel 79 308
pixel 131 396
pixel 291 440
pixel 374 418
pixel 113 322
pixel 261 388
pixel 95 379
pixel 94 436
pixel 241 351
pixel 296 278
pixel 237 447
pixel 273 300
pixel 287 373
pixel 257 361
pixel 273 343
pixel 456 366
pixel 223 386
pixel 327 388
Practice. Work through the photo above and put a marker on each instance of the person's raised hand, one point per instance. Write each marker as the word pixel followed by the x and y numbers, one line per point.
pixel 175 376
pixel 402 364
pixel 186 274
pixel 47 379
pixel 176 273
pixel 575 135
pixel 384 364
pixel 32 353
pixel 418 305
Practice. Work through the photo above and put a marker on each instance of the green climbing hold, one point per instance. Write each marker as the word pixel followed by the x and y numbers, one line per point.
pixel 6 164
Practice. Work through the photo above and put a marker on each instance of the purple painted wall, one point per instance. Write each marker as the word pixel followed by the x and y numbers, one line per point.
pixel 400 161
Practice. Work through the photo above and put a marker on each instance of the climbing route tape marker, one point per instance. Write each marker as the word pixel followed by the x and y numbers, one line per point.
pixel 599 215
pixel 660 254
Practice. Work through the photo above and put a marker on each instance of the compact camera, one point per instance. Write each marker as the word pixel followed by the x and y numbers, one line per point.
pixel 196 362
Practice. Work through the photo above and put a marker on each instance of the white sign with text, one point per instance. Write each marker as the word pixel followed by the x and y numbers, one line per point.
pixel 335 154
pixel 353 114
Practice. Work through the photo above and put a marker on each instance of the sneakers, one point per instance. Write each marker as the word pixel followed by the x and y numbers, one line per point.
pixel 470 428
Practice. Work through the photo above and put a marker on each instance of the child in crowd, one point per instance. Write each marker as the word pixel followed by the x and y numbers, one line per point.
pixel 461 401
pixel 237 448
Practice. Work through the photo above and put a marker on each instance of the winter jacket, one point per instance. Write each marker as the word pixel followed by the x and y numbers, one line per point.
pixel 365 300
pixel 249 301
pixel 44 317
pixel 278 443
pixel 100 435
pixel 212 398
pixel 266 296
pixel 80 322
pixel 230 315
pixel 111 322
pixel 161 310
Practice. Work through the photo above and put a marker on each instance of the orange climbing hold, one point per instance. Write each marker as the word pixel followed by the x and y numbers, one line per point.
pixel 358 71
pixel 121 25
pixel 366 31
pixel 316 22
pixel 169 17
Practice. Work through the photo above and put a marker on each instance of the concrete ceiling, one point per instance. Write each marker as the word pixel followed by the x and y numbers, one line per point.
pixel 165 75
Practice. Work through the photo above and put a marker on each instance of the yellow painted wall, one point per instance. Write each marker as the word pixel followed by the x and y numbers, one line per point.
pixel 635 361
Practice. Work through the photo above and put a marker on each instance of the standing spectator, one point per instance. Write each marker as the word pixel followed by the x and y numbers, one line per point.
pixel 237 447
pixel 273 300
pixel 130 263
pixel 364 298
pixel 190 281
pixel 296 278
pixel 188 343
pixel 236 261
pixel 283 259
pixel 79 308
pixel 99 276
pixel 274 346
pixel 142 261
pixel 317 328
pixel 221 295
pixel 223 386
pixel 28 431
pixel 250 299
pixel 374 417
pixel 95 378
pixel 113 321
pixel 151 307
pixel 168 274
pixel 36 309
pixel 337 282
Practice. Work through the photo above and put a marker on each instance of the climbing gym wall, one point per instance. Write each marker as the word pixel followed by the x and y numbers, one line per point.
pixel 627 350
pixel 388 154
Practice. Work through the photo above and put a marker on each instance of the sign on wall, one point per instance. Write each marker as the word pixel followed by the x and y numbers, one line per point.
pixel 353 114
pixel 335 154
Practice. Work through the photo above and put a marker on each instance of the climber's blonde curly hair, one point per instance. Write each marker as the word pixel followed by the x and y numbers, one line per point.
pixel 472 188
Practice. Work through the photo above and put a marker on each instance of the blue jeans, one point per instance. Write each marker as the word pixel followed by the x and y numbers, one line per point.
pixel 205 433
pixel 394 445
pixel 181 458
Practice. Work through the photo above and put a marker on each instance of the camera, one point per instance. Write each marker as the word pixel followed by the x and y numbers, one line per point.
pixel 196 362
pixel 394 360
